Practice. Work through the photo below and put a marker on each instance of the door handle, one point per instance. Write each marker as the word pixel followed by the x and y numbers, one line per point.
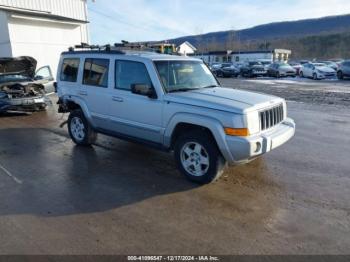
pixel 117 99
pixel 83 93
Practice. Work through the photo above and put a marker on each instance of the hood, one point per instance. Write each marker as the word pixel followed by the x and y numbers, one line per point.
pixel 287 69
pixel 24 65
pixel 325 69
pixel 231 68
pixel 224 99
pixel 258 67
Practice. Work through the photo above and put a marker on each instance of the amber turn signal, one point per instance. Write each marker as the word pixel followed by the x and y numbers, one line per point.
pixel 237 131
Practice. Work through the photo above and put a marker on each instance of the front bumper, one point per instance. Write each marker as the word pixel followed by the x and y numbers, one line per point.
pixel 326 76
pixel 259 73
pixel 23 104
pixel 244 149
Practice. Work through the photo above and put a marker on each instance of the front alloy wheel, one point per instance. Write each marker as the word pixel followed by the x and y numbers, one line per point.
pixel 197 156
pixel 194 159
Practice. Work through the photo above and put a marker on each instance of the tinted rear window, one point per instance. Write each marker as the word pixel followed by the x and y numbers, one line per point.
pixel 96 72
pixel 69 72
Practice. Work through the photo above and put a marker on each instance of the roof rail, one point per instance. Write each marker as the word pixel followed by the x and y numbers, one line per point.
pixel 85 46
pixel 125 45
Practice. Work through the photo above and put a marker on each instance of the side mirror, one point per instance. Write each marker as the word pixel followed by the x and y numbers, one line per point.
pixel 144 90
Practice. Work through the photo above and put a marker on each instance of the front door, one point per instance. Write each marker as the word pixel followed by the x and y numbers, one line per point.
pixel 134 115
pixel 44 76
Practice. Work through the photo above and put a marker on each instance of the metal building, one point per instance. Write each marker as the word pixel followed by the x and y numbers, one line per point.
pixel 42 28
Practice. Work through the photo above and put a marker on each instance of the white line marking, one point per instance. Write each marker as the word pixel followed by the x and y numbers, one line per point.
pixel 49 94
pixel 10 175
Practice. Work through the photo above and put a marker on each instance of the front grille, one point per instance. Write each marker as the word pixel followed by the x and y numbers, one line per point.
pixel 271 117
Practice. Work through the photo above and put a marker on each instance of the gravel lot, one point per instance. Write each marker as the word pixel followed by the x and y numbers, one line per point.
pixel 122 198
pixel 329 92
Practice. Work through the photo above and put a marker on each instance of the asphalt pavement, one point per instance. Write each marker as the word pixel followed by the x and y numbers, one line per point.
pixel 122 198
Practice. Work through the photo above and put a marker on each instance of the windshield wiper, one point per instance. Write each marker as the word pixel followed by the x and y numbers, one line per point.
pixel 182 90
pixel 211 86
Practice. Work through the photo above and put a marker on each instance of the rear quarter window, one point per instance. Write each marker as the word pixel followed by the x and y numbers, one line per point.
pixel 69 71
pixel 96 72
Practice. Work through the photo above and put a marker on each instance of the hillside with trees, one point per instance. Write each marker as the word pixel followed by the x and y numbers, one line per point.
pixel 327 37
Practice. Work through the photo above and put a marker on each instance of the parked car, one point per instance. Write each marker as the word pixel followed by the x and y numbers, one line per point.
pixel 331 64
pixel 281 70
pixel 317 71
pixel 227 71
pixel 170 103
pixel 303 62
pixel 217 66
pixel 21 87
pixel 253 69
pixel 297 66
pixel 214 66
pixel 344 69
pixel 265 63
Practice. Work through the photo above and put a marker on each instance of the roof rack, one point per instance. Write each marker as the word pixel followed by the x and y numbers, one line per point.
pixel 117 47
pixel 82 46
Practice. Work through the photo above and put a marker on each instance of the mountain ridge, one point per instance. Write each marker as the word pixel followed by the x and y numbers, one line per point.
pixel 276 30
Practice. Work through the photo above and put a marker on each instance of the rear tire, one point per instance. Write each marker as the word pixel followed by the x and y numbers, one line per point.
pixel 198 157
pixel 314 76
pixel 80 131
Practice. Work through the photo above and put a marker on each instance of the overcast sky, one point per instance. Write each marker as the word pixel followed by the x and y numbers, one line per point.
pixel 143 20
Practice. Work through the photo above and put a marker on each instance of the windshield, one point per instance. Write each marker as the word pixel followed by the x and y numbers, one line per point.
pixel 285 66
pixel 185 75
pixel 254 63
pixel 13 78
pixel 319 65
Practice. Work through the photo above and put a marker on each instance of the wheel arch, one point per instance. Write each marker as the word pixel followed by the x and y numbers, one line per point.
pixel 183 122
pixel 73 103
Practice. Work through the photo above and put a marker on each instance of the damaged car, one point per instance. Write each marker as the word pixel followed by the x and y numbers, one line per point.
pixel 22 88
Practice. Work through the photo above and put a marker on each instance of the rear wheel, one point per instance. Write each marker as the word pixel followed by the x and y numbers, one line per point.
pixel 198 157
pixel 80 130
pixel 314 76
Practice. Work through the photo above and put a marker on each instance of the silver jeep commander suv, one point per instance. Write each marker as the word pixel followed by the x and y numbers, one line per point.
pixel 172 103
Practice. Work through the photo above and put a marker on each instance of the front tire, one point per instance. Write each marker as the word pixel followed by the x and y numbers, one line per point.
pixel 198 157
pixel 340 75
pixel 80 130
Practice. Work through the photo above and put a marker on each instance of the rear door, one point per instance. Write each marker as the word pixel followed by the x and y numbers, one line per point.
pixel 94 88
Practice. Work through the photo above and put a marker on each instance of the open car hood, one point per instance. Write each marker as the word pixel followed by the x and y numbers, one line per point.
pixel 24 65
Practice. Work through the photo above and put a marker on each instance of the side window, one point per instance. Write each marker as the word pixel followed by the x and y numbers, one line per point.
pixel 96 72
pixel 44 73
pixel 69 71
pixel 128 73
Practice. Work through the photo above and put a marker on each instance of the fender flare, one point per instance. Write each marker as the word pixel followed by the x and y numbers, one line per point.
pixel 212 124
pixel 81 103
